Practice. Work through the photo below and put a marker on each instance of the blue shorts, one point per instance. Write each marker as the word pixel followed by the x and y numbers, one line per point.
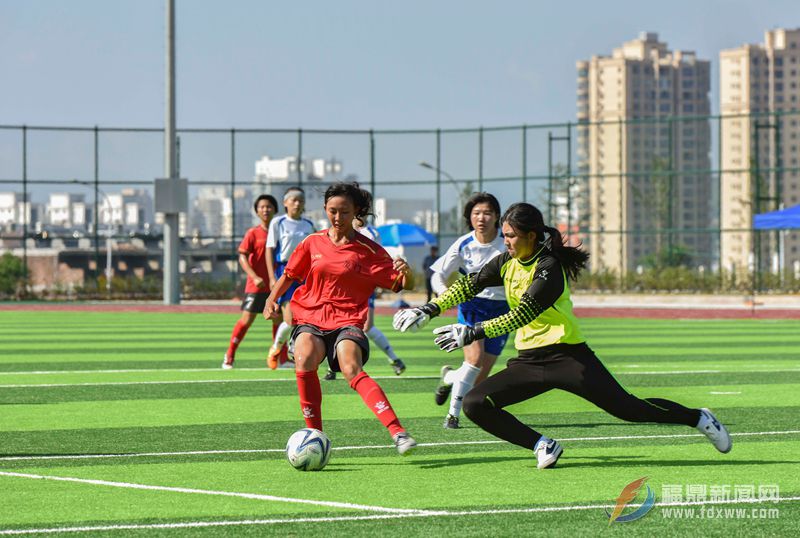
pixel 280 267
pixel 480 309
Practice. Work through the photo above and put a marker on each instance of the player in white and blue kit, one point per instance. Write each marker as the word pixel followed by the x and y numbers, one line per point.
pixel 468 255
pixel 285 233
pixel 374 333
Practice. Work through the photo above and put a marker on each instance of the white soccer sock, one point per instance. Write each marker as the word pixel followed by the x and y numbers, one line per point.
pixel 284 331
pixel 382 342
pixel 463 383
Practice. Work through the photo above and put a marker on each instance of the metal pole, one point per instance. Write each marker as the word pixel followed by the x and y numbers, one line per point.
pixel 234 256
pixel 96 205
pixel 438 187
pixel 171 267
pixel 372 163
pixel 524 163
pixel 549 177
pixel 569 181
pixel 299 158
pixel 26 207
pixel 480 159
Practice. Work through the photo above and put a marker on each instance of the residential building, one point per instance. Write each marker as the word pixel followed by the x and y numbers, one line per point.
pixel 643 158
pixel 759 97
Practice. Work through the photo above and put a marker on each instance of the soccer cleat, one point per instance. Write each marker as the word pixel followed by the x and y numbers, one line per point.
pixel 404 443
pixel 451 423
pixel 443 390
pixel 547 452
pixel 715 431
pixel 227 362
pixel 330 376
pixel 273 357
pixel 398 366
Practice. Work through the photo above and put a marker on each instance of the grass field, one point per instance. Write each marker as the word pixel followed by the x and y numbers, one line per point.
pixel 123 424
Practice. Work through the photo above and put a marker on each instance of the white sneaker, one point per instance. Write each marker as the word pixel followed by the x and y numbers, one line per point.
pixel 227 363
pixel 547 452
pixel 404 443
pixel 288 365
pixel 715 431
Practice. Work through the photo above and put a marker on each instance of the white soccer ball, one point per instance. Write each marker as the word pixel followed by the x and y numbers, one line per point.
pixel 308 450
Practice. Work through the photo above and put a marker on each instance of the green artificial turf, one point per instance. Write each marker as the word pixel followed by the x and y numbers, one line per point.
pixel 144 393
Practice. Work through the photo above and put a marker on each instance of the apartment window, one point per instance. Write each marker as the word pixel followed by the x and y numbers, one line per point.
pixel 687 72
pixel 779 86
pixel 778 61
pixel 755 61
pixel 635 69
pixel 663 95
pixel 583 72
pixel 687 83
pixel 778 73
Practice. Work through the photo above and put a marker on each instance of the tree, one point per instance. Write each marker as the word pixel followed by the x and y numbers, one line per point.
pixel 12 274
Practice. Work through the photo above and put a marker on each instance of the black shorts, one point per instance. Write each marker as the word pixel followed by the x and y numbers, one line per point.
pixel 255 302
pixel 332 339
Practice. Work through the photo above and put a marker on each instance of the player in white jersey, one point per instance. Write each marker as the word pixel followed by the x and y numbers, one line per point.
pixel 468 255
pixel 285 233
pixel 374 333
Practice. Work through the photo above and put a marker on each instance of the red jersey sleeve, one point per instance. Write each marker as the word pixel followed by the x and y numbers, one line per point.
pixel 299 262
pixel 383 273
pixel 248 243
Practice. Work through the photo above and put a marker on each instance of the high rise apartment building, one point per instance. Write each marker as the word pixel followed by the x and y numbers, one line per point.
pixel 759 102
pixel 643 165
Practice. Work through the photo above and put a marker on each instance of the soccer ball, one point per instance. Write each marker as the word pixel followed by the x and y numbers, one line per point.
pixel 308 450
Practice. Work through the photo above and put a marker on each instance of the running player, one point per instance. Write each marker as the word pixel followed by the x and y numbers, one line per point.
pixel 468 255
pixel 553 354
pixel 285 233
pixel 339 269
pixel 374 333
pixel 252 251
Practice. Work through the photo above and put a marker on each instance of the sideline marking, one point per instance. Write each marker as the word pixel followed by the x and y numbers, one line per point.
pixel 370 447
pixel 284 380
pixel 256 496
pixel 246 522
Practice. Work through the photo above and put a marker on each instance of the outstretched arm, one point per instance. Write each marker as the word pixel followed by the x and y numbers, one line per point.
pixel 544 291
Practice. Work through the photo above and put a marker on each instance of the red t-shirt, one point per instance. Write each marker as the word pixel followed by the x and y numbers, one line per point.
pixel 254 246
pixel 338 280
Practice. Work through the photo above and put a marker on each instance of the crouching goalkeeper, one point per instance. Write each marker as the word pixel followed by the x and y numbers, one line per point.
pixel 553 354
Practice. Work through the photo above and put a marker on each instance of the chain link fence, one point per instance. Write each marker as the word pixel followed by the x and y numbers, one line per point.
pixel 662 204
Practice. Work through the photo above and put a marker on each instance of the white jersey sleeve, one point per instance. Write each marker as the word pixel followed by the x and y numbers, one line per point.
pixel 446 265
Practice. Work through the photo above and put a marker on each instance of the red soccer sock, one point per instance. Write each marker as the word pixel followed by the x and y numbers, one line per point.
pixel 310 398
pixel 239 330
pixel 376 399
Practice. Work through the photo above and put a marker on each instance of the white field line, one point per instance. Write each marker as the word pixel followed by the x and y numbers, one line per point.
pixel 370 447
pixel 286 380
pixel 256 496
pixel 417 514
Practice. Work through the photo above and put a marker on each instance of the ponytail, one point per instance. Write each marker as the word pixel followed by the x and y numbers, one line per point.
pixel 527 218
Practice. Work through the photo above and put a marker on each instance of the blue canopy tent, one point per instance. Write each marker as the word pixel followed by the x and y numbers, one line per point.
pixel 783 219
pixel 404 234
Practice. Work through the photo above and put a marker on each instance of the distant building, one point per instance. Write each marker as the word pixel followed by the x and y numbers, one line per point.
pixel 67 211
pixel 420 212
pixel 637 164
pixel 212 214
pixel 14 211
pixel 756 80
pixel 274 176
pixel 130 210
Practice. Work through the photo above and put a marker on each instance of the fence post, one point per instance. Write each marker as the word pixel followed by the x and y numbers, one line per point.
pixel 234 256
pixel 524 163
pixel 96 204
pixel 26 207
pixel 438 186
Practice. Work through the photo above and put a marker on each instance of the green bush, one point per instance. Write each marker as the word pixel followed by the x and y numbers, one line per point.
pixel 12 276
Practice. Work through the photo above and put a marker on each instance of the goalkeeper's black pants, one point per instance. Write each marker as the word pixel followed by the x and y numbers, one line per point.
pixel 570 367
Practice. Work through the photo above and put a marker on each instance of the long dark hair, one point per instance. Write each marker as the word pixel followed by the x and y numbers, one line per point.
pixel 527 218
pixel 361 198
pixel 481 198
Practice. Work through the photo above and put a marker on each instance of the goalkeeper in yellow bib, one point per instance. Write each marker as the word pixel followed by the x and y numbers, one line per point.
pixel 552 354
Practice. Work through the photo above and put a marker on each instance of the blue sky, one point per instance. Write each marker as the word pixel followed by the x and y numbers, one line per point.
pixel 343 64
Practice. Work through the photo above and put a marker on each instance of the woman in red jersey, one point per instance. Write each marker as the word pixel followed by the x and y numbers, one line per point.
pixel 252 251
pixel 340 268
